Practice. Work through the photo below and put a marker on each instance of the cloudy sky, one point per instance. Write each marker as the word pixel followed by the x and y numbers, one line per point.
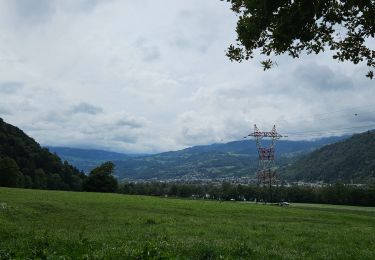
pixel 149 76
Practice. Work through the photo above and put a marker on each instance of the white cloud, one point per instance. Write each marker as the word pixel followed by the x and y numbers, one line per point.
pixel 149 76
pixel 86 108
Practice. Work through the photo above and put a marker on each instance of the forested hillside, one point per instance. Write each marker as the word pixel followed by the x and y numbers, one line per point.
pixel 349 160
pixel 23 163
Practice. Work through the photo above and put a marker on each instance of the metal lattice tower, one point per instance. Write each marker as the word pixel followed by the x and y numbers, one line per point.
pixel 266 173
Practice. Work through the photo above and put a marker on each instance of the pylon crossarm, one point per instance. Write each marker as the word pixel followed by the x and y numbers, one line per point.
pixel 266 134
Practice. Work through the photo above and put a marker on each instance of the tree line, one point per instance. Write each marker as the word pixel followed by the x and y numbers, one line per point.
pixel 100 179
pixel 338 193
pixel 60 176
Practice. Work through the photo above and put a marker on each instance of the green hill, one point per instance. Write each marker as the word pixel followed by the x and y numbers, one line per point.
pixel 24 163
pixel 349 160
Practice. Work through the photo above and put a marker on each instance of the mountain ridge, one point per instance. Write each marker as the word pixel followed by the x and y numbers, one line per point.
pixel 348 160
pixel 232 159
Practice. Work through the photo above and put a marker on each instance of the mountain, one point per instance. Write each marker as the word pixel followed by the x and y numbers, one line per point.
pixel 233 159
pixel 248 147
pixel 89 154
pixel 86 159
pixel 348 160
pixel 24 163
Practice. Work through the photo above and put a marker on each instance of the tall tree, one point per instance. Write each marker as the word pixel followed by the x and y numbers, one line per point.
pixel 101 179
pixel 311 26
pixel 10 175
pixel 40 179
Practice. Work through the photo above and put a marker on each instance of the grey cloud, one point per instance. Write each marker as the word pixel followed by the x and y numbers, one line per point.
pixel 190 136
pixel 37 12
pixel 125 139
pixel 4 112
pixel 88 5
pixel 363 117
pixel 34 11
pixel 85 108
pixel 132 123
pixel 198 39
pixel 10 87
pixel 181 42
pixel 152 54
pixel 80 6
pixel 145 59
pixel 184 42
pixel 322 78
pixel 149 51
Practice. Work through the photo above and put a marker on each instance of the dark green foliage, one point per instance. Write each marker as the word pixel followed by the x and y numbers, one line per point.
pixel 101 179
pixel 338 194
pixel 40 179
pixel 54 182
pixel 33 166
pixel 310 26
pixel 346 161
pixel 10 175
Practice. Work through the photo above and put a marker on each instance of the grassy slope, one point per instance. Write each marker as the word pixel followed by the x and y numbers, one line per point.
pixel 88 226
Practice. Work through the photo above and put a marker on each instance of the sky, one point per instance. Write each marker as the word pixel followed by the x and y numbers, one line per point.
pixel 149 76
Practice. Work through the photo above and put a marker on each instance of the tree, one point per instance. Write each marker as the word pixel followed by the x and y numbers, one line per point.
pixel 54 182
pixel 311 26
pixel 10 175
pixel 101 179
pixel 40 179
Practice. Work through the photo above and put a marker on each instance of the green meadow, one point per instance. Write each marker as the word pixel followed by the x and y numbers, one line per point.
pixel 71 225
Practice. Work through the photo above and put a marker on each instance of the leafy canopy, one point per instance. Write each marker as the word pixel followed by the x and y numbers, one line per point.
pixel 101 179
pixel 10 175
pixel 276 27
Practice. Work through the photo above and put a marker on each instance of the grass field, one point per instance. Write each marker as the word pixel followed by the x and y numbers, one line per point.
pixel 69 225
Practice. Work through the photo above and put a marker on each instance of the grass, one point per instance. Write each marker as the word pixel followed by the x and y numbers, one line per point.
pixel 335 207
pixel 69 225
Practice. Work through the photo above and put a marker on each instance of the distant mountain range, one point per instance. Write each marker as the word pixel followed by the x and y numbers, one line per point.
pixel 86 159
pixel 328 159
pixel 233 159
pixel 349 160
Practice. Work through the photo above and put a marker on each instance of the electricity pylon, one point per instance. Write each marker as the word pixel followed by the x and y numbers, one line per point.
pixel 266 174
